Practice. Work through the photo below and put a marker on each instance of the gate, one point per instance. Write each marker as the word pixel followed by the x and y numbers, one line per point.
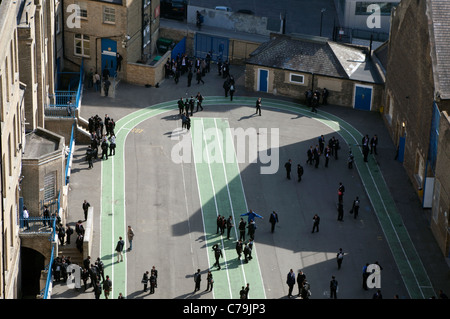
pixel 218 46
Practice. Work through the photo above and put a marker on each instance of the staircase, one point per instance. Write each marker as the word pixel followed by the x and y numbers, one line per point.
pixel 71 250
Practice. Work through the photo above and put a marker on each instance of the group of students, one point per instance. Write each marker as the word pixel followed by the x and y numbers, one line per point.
pixel 312 98
pixel 151 278
pixel 106 141
pixel 187 106
pixel 182 64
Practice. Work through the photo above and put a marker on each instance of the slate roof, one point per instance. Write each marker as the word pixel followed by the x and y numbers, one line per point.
pixel 315 55
pixel 439 14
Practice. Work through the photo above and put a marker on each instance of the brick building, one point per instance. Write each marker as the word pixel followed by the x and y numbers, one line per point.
pixel 12 118
pixel 417 101
pixel 289 65
pixel 107 27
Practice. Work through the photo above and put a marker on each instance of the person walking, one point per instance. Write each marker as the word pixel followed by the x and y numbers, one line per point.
pixel 106 86
pixel 197 280
pixel 239 249
pixel 333 287
pixel 247 253
pixel 130 234
pixel 341 190
pixel 273 220
pixel 25 215
pixel 242 227
pixel 199 99
pixel 299 173
pixel 86 206
pixel 350 160
pixel 251 229
pixel 301 277
pixel 199 77
pixel 69 232
pixel 154 271
pixel 226 87
pixel 251 215
pixel 152 281
pixel 316 222
pixel 365 146
pixel 340 258
pixel 355 208
pixel 373 144
pixel 209 281
pixel 288 166
pixel 290 281
pixel 310 155
pixel 217 255
pixel 258 106
pixel 112 145
pixel 232 90
pixel 229 226
pixel 101 268
pixel 107 287
pixel 365 275
pixel 119 249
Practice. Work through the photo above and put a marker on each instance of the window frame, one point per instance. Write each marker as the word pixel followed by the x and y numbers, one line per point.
pixel 82 11
pixel 82 40
pixel 111 14
pixel 296 82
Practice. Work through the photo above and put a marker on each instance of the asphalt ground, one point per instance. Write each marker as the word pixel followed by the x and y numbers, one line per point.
pixel 165 202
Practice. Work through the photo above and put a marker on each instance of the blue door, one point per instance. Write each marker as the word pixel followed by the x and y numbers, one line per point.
pixel 363 98
pixel 109 58
pixel 205 43
pixel 263 80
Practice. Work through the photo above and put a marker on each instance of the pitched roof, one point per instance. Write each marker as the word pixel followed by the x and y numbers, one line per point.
pixel 439 16
pixel 315 55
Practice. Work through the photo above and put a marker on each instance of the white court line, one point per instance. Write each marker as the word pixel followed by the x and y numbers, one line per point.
pixel 217 211
pixel 229 196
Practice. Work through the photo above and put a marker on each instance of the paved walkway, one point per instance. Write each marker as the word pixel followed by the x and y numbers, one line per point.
pixel 420 264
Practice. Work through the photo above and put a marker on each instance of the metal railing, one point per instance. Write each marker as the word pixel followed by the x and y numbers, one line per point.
pixel 38 225
pixel 66 103
pixel 70 155
pixel 46 293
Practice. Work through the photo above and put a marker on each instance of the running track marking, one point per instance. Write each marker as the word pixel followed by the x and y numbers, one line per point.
pixel 113 215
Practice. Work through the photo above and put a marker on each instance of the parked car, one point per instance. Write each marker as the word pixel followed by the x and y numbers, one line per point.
pixel 222 8
pixel 173 9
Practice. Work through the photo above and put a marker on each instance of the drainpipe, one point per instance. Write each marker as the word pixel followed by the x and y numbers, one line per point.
pixel 3 224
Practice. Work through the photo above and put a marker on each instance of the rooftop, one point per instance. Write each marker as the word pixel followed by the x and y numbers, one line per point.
pixel 316 55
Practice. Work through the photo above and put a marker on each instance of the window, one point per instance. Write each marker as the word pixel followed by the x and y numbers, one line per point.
pixel 49 186
pixel 385 7
pixel 109 15
pixel 296 78
pixel 82 10
pixel 82 45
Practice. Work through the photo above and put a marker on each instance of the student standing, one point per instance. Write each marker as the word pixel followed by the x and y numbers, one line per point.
pixel 273 220
pixel 119 249
pixel 288 166
pixel 258 106
pixel 290 281
pixel 333 287
pixel 197 280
